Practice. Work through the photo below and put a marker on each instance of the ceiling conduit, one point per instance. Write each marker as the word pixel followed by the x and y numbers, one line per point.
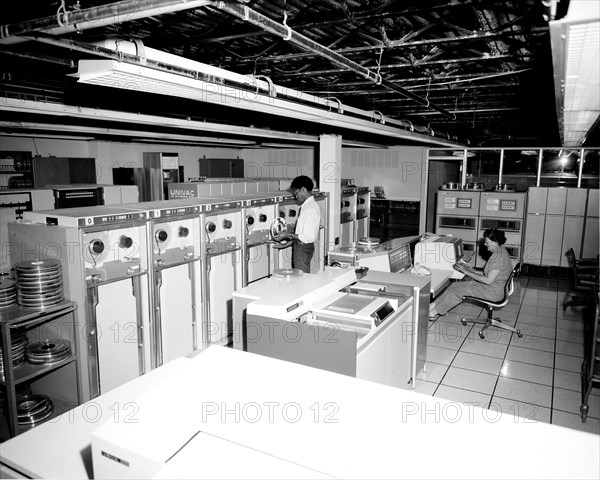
pixel 76 20
pixel 247 14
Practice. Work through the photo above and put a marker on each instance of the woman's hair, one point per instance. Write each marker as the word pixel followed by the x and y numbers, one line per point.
pixel 495 235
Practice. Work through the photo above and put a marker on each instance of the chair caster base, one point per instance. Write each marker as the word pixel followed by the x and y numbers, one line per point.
pixel 481 335
pixel 519 334
pixel 584 412
pixel 463 322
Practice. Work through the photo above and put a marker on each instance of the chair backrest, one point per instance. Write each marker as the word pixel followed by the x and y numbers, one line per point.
pixel 509 286
pixel 581 276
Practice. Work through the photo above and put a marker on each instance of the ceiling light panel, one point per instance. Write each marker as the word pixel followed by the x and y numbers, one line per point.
pixel 576 60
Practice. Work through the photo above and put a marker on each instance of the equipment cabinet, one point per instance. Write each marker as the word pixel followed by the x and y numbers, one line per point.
pixel 58 380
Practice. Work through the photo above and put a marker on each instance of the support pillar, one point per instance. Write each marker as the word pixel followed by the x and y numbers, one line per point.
pixel 330 180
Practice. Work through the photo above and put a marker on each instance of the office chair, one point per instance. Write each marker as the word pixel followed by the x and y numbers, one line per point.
pixel 584 274
pixel 490 305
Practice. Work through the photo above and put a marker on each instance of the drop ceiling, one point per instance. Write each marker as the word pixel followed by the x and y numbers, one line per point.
pixel 469 72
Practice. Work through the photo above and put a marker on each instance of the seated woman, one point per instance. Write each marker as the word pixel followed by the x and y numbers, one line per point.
pixel 488 285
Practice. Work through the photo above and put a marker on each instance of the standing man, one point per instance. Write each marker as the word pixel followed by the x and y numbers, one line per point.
pixel 307 225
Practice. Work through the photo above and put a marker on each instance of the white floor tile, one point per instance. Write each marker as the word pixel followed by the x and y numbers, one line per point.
pixel 449 329
pixel 434 373
pixel 527 372
pixel 537 330
pixel 570 420
pixel 534 301
pixel 570 314
pixel 570 401
pixel 478 363
pixel 567 362
pixel 536 320
pixel 524 391
pixel 538 310
pixel 526 355
pixel 470 380
pixel 548 295
pixel 440 355
pixel 426 388
pixel 567 380
pixel 439 340
pixel 534 329
pixel 569 335
pixel 534 343
pixel 464 396
pixel 526 412
pixel 569 325
pixel 492 334
pixel 484 347
pixel 569 348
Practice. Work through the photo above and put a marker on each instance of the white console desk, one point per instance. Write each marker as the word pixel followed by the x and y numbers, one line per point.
pixel 292 421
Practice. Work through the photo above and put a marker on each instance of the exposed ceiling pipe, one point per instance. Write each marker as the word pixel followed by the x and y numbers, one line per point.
pixel 247 14
pixel 44 58
pixel 72 21
pixel 481 35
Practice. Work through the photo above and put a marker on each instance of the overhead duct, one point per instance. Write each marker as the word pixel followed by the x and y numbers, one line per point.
pixel 176 76
pixel 576 59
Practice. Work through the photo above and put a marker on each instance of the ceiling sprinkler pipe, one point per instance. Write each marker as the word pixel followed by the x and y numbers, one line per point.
pixel 84 19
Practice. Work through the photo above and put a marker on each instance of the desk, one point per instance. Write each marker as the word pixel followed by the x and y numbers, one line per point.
pixel 440 279
pixel 338 426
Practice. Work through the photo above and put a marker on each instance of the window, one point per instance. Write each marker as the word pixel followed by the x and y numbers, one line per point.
pixel 559 168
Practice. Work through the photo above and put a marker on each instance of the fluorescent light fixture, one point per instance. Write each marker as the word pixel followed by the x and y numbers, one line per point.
pixel 576 58
pixel 211 86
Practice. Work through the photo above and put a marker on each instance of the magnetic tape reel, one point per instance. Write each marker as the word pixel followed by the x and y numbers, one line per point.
pixel 287 273
pixel 33 409
pixel 18 344
pixel 48 352
pixel 368 241
pixel 39 283
pixel 8 293
pixel 278 226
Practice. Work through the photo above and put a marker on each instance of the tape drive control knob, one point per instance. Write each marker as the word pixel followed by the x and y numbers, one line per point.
pixel 161 235
pixel 96 246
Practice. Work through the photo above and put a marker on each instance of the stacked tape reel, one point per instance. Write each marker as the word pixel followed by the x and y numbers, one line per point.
pixel 287 273
pixel 8 293
pixel 33 409
pixel 18 344
pixel 21 390
pixel 39 283
pixel 48 352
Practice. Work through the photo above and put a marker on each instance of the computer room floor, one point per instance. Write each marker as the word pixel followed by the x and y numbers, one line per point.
pixel 535 377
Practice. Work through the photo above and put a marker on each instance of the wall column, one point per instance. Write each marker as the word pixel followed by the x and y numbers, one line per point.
pixel 330 180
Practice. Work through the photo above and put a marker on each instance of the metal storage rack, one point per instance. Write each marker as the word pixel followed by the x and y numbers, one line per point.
pixel 19 317
pixel 590 369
